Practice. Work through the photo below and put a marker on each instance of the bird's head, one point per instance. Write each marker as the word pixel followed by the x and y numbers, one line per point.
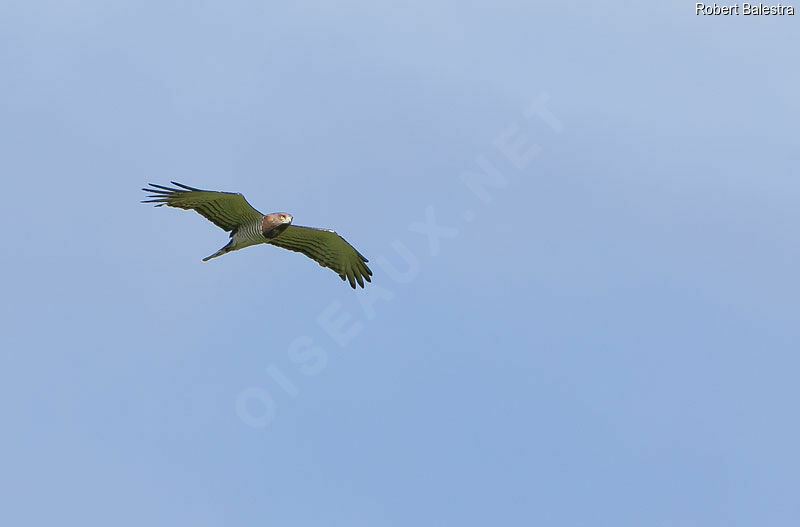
pixel 275 223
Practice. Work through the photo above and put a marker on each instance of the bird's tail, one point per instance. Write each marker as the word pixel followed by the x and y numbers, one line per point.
pixel 226 249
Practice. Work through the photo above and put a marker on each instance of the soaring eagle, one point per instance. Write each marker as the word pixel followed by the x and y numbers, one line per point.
pixel 231 212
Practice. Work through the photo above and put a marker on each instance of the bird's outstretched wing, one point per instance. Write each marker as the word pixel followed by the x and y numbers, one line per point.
pixel 227 210
pixel 328 249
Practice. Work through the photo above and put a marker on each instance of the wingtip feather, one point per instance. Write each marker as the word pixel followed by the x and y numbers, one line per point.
pixel 162 187
pixel 187 187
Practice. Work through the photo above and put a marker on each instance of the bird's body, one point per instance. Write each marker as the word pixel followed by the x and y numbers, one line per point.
pixel 245 236
pixel 231 212
pixel 256 231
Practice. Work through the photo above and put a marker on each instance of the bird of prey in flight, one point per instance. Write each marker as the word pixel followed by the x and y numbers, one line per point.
pixel 231 212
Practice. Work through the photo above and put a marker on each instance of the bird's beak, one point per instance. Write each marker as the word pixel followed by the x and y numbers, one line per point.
pixel 288 219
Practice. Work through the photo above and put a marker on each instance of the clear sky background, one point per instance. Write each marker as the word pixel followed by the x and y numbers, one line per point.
pixel 601 331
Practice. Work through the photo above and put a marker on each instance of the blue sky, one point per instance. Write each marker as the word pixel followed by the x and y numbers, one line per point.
pixel 601 331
